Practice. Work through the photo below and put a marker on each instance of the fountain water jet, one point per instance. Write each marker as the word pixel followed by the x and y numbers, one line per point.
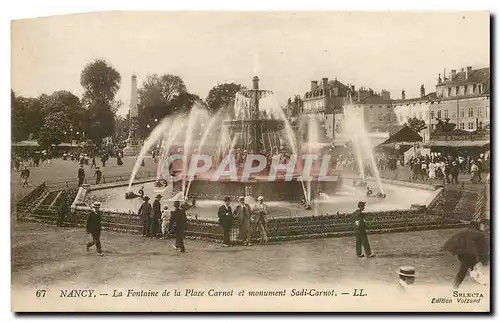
pixel 151 140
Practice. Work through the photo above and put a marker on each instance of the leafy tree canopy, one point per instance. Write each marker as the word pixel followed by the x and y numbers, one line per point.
pixel 222 95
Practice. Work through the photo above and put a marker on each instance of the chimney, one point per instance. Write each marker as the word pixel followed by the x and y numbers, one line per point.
pixel 462 70
pixel 314 85
pixel 289 101
pixel 325 85
pixel 403 95
pixel 370 91
pixel 439 79
pixel 255 82
pixel 453 73
pixel 422 91
pixel 467 73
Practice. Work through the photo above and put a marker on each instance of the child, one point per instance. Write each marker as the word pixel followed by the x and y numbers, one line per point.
pixel 164 221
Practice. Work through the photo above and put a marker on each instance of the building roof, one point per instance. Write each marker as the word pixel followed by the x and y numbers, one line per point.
pixel 401 133
pixel 481 75
pixel 430 96
pixel 375 99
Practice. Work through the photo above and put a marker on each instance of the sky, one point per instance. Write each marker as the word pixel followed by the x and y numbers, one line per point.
pixel 393 51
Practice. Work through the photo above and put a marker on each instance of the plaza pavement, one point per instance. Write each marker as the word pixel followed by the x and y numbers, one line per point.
pixel 42 255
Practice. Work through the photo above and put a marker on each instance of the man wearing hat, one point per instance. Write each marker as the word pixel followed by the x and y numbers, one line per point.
pixel 360 231
pixel 155 224
pixel 244 215
pixel 260 213
pixel 81 175
pixel 94 227
pixel 145 213
pixel 406 277
pixel 97 175
pixel 178 221
pixel 225 215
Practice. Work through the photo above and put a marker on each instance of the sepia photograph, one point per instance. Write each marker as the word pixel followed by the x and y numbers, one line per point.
pixel 251 161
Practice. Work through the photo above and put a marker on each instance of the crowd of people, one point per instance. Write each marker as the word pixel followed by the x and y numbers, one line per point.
pixel 447 167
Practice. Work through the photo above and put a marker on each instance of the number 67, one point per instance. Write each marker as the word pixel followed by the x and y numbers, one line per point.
pixel 41 293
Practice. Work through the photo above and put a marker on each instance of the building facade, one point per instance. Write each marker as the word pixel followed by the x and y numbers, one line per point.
pixel 376 111
pixel 463 98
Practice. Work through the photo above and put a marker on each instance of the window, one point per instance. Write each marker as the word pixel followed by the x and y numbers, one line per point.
pixel 445 114
pixel 480 88
pixel 471 125
pixel 439 114
pixel 461 112
pixel 474 88
pixel 401 118
pixel 453 113
pixel 432 115
pixel 449 91
pixel 480 124
pixel 420 115
pixel 414 114
pixel 465 89
pixel 380 117
pixel 457 90
pixel 462 126
pixel 471 112
pixel 480 111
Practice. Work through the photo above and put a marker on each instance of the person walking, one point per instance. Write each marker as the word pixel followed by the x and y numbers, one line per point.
pixel 244 215
pixel 225 215
pixel 261 212
pixel 81 175
pixel 177 225
pixel 155 223
pixel 94 165
pixel 63 210
pixel 25 174
pixel 471 247
pixel 94 227
pixel 474 177
pixel 454 171
pixel 145 216
pixel 164 222
pixel 360 231
pixel 97 175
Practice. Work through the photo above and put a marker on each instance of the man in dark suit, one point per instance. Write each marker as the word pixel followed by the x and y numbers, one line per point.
pixel 145 213
pixel 155 224
pixel 360 231
pixel 225 215
pixel 81 175
pixel 177 225
pixel 94 227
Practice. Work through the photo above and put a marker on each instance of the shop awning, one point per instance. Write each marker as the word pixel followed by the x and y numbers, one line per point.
pixel 457 144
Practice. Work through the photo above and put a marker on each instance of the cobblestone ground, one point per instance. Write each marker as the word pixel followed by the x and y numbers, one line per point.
pixel 43 255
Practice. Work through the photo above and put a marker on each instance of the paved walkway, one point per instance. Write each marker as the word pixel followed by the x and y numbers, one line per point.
pixel 43 255
pixel 59 170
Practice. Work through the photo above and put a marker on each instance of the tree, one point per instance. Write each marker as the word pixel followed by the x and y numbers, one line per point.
pixel 416 124
pixel 222 95
pixel 55 128
pixel 27 117
pixel 184 102
pixel 101 82
pixel 157 93
pixel 444 127
pixel 69 104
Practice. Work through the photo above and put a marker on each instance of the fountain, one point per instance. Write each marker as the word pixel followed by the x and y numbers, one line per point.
pixel 256 129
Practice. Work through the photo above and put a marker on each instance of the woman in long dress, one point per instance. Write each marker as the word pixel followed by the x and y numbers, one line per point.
pixel 432 170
